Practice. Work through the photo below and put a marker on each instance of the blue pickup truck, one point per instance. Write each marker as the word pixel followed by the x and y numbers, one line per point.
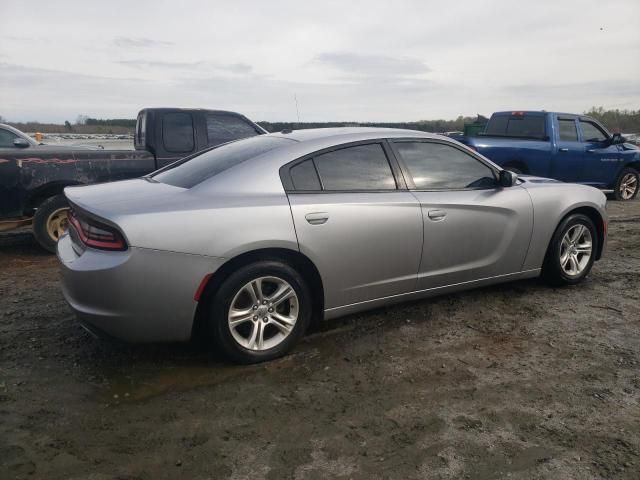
pixel 567 147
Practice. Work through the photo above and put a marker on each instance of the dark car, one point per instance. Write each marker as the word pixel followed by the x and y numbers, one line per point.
pixel 33 176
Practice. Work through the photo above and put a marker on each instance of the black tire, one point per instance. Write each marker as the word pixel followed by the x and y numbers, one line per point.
pixel 46 213
pixel 626 176
pixel 552 269
pixel 221 304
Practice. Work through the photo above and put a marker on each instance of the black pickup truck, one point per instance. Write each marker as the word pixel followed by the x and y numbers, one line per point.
pixel 32 176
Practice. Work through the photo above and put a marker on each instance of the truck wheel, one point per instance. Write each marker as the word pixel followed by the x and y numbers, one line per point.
pixel 50 221
pixel 260 312
pixel 627 184
pixel 571 252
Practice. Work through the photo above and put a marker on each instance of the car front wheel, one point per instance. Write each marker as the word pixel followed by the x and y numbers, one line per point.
pixel 571 252
pixel 260 312
pixel 627 184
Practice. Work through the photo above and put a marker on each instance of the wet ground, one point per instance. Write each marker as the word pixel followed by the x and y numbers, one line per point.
pixel 513 381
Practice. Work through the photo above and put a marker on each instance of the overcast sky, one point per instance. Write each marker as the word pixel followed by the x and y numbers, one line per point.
pixel 345 60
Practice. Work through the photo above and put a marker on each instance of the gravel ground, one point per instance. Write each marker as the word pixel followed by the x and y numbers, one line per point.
pixel 514 381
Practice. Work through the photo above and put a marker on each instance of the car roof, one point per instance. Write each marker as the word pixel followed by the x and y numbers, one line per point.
pixel 338 134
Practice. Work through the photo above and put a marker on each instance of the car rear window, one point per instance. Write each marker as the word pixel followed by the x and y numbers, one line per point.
pixel 194 170
pixel 531 126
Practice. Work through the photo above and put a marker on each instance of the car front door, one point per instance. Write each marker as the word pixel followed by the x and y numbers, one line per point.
pixel 356 221
pixel 473 228
pixel 601 158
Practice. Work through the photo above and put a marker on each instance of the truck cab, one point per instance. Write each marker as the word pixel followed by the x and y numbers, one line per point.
pixel 174 133
pixel 564 146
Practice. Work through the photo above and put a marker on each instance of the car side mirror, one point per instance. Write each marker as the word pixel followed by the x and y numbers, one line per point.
pixel 508 178
pixel 617 139
pixel 20 143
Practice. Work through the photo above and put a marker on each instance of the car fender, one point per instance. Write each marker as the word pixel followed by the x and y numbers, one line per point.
pixel 552 202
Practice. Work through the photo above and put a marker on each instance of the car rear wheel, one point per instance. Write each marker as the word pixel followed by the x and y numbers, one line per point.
pixel 260 312
pixel 50 222
pixel 571 252
pixel 627 184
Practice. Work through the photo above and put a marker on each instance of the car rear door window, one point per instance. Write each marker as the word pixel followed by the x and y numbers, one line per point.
pixel 436 166
pixel 305 177
pixel 177 132
pixel 591 132
pixel 568 131
pixel 222 128
pixel 361 167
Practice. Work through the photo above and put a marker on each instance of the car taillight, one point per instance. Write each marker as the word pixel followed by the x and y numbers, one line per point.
pixel 96 235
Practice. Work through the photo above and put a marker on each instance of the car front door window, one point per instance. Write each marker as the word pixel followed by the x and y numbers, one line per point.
pixel 436 166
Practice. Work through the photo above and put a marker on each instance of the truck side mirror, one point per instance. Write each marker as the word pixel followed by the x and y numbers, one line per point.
pixel 508 178
pixel 20 143
pixel 617 139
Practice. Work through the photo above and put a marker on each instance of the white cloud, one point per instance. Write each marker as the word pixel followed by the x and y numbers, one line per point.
pixel 355 61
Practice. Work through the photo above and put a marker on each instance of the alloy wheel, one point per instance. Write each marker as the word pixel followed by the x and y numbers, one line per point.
pixel 628 186
pixel 575 250
pixel 263 313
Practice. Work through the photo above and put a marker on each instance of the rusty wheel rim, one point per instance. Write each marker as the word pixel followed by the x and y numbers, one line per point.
pixel 57 223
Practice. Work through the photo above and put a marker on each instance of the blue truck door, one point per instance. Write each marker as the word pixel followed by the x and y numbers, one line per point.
pixel 601 158
pixel 569 151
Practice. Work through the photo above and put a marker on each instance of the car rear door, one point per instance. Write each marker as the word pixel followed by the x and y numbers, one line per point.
pixel 601 158
pixel 356 221
pixel 473 228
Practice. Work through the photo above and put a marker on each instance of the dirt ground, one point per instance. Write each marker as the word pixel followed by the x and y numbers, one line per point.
pixel 514 381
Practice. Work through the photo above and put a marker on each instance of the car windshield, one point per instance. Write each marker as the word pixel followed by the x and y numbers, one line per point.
pixel 190 172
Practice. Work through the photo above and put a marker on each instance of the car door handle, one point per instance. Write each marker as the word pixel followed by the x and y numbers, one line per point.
pixel 437 215
pixel 317 218
pixel 563 149
pixel 591 150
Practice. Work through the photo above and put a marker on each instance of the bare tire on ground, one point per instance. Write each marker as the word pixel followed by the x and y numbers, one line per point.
pixel 571 252
pixel 260 312
pixel 50 221
pixel 627 184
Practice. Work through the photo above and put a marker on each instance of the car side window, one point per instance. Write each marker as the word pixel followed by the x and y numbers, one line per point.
pixel 436 166
pixel 222 128
pixel 591 132
pixel 361 167
pixel 7 138
pixel 305 177
pixel 177 132
pixel 567 130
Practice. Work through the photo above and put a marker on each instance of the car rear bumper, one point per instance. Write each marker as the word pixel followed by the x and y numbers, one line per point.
pixel 139 295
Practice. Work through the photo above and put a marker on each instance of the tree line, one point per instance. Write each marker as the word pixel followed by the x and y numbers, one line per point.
pixel 624 121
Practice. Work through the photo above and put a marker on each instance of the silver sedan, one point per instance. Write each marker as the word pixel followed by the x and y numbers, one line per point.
pixel 249 242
